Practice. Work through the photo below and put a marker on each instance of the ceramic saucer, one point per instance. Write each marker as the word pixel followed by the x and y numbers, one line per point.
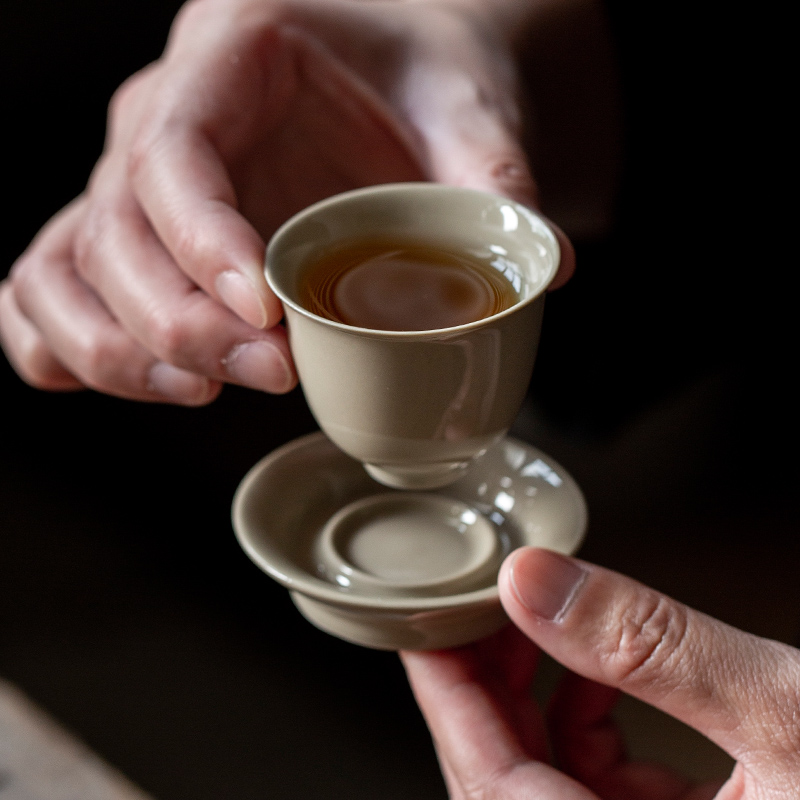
pixel 401 570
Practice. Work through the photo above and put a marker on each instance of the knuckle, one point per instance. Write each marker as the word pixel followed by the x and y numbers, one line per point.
pixel 168 336
pixel 88 239
pixel 193 237
pixel 781 724
pixel 646 638
pixel 188 243
pixel 191 12
pixel 36 366
pixel 138 155
pixel 514 178
pixel 123 99
pixel 97 362
pixel 494 786
pixel 195 16
pixel 154 128
pixel 36 374
pixel 23 279
pixel 44 371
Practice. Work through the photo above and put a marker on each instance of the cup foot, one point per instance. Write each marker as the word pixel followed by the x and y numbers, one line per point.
pixel 422 477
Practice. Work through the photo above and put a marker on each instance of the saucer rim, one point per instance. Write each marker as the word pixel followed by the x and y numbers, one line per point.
pixel 314 587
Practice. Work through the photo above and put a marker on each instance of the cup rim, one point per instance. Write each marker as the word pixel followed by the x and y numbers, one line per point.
pixel 400 188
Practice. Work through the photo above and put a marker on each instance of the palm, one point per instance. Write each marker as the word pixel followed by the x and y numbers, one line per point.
pixel 339 95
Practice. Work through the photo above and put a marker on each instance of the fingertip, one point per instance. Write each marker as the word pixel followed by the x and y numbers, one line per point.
pixel 566 266
pixel 242 297
pixel 274 309
pixel 263 365
pixel 180 386
pixel 512 178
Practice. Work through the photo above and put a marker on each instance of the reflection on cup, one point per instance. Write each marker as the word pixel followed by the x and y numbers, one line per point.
pixel 413 352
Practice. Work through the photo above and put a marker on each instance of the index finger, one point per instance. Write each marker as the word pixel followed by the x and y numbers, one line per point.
pixel 186 194
pixel 476 734
pixel 182 179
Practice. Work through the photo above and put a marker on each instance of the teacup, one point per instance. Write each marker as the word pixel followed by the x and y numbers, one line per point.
pixel 416 407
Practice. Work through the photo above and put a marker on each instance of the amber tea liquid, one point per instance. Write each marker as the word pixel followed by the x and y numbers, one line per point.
pixel 389 285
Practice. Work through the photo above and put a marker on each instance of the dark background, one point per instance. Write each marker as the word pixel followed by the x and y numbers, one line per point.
pixel 665 384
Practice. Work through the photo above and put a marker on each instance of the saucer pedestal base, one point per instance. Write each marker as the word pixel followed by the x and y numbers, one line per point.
pixel 393 630
pixel 432 476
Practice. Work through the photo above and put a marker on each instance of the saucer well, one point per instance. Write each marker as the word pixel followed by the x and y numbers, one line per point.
pixel 394 569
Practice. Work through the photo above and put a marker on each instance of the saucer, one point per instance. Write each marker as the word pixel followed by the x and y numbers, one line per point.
pixel 401 570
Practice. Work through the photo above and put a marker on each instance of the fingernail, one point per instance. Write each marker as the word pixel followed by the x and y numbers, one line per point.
pixel 178 385
pixel 546 583
pixel 260 365
pixel 241 297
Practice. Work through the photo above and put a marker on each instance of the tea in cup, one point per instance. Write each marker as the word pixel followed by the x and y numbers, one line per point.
pixel 414 313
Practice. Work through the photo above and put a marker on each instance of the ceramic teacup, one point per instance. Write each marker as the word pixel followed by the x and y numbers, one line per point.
pixel 417 407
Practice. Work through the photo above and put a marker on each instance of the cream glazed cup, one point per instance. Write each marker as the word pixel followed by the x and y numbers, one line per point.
pixel 417 407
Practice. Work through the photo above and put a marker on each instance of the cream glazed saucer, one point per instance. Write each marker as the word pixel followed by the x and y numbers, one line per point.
pixel 401 570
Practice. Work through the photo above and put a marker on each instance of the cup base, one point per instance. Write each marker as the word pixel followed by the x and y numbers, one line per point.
pixel 421 477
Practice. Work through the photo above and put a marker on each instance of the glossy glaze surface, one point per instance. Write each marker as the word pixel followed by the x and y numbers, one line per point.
pixel 417 406
pixel 288 516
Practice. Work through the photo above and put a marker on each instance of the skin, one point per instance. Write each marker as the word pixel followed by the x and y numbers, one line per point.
pixel 149 285
pixel 614 634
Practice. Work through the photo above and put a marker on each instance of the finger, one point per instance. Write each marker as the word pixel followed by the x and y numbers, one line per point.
pixel 566 264
pixel 475 145
pixel 78 332
pixel 454 791
pixel 472 131
pixel 741 691
pixel 186 192
pixel 589 746
pixel 580 720
pixel 472 145
pixel 26 349
pixel 182 182
pixel 119 255
pixel 488 158
pixel 508 662
pixel 468 114
pixel 510 658
pixel 127 105
pixel 466 108
pixel 475 734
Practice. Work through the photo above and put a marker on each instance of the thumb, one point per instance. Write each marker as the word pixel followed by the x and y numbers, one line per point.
pixel 741 691
pixel 476 144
